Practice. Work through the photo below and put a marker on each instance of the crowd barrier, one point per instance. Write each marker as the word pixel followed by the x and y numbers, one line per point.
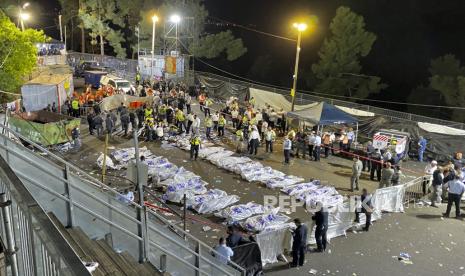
pixel 274 244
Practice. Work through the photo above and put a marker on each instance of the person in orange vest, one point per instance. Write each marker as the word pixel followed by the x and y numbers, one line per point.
pixel 149 92
pixel 202 101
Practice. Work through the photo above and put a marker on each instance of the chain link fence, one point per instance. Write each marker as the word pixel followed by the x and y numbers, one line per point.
pixel 126 68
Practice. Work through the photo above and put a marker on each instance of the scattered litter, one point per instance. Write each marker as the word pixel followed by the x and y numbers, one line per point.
pixel 91 266
pixel 312 271
pixel 214 237
pixel 440 264
pixel 405 258
pixel 447 248
pixel 206 228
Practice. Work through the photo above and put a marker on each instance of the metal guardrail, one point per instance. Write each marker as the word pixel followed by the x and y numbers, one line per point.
pixel 415 190
pixel 76 198
pixel 34 245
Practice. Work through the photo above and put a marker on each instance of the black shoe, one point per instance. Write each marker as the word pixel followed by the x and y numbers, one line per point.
pixel 445 215
pixel 365 229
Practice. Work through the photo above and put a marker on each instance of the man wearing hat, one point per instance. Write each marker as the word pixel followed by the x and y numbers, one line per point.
pixel 299 243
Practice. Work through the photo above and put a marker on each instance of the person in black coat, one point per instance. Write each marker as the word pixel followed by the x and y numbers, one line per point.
pixel 234 238
pixel 299 243
pixel 321 221
pixel 366 208
pixel 90 121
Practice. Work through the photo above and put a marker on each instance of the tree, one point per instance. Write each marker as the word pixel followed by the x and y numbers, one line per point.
pixel 339 68
pixel 448 78
pixel 97 15
pixel 202 44
pixel 18 54
pixel 212 45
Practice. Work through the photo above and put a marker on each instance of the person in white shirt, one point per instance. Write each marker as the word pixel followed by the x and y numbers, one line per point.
pixel 264 127
pixel 215 118
pixel 190 121
pixel 350 137
pixel 224 252
pixel 311 144
pixel 287 146
pixel 254 141
pixel 273 118
pixel 270 136
pixel 317 147
pixel 234 117
pixel 188 100
pixel 428 177
pixel 159 130
pixel 196 125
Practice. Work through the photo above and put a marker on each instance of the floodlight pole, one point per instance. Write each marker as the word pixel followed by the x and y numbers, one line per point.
pixel 296 69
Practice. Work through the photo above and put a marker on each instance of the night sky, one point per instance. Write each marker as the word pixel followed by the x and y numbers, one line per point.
pixel 410 33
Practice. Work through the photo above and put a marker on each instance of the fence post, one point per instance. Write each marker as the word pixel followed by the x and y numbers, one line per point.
pixel 197 259
pixel 69 203
pixel 10 242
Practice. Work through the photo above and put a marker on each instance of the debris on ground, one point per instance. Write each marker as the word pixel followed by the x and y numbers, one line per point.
pixel 312 271
pixel 206 228
pixel 405 258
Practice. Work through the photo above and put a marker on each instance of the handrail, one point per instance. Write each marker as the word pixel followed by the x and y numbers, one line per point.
pixel 90 178
pixel 64 162
pixel 44 226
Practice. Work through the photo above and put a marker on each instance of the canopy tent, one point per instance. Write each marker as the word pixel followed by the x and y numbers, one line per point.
pixel 275 100
pixel 323 114
pixel 45 89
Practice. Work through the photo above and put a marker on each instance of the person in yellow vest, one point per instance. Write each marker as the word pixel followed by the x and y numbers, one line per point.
pixel 195 146
pixel 208 104
pixel 162 112
pixel 75 107
pixel 208 126
pixel 221 124
pixel 148 112
pixel 149 129
pixel 245 125
pixel 239 140
pixel 252 101
pixel 180 119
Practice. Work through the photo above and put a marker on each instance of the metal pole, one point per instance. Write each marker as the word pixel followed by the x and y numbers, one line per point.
pixel 104 165
pixel 22 24
pixel 184 209
pixel 9 233
pixel 296 70
pixel 65 41
pixel 176 39
pixel 356 133
pixel 140 212
pixel 153 48
pixel 138 44
pixel 61 28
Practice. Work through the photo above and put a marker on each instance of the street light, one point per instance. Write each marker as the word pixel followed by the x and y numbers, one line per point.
pixel 154 21
pixel 176 19
pixel 24 17
pixel 300 28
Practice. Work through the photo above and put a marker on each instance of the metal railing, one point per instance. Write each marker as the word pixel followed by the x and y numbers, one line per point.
pixel 77 199
pixel 415 190
pixel 34 244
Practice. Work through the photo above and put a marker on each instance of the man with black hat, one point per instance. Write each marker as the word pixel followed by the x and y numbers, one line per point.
pixel 299 243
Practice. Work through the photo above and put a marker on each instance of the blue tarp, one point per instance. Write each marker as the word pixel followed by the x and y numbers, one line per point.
pixel 323 114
